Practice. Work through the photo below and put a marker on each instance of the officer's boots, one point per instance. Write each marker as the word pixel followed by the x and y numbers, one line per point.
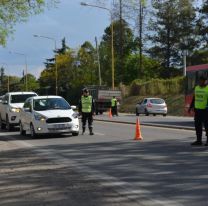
pixel 83 130
pixel 91 132
pixel 206 144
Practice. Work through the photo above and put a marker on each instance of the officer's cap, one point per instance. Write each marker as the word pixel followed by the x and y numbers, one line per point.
pixel 85 90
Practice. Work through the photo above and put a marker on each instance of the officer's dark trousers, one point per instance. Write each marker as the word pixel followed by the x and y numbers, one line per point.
pixel 87 117
pixel 114 110
pixel 200 119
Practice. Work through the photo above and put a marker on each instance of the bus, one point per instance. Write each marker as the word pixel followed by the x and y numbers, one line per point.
pixel 192 78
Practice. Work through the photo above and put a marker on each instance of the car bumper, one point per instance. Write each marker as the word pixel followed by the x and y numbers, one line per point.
pixel 14 118
pixel 157 111
pixel 56 128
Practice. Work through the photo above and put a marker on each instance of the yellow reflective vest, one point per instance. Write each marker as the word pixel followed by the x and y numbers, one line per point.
pixel 86 104
pixel 201 97
pixel 113 102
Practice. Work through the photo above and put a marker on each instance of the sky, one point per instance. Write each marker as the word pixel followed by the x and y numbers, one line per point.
pixel 69 19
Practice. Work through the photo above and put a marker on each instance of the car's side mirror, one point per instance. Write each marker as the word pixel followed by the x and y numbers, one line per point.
pixel 27 109
pixel 73 107
pixel 5 102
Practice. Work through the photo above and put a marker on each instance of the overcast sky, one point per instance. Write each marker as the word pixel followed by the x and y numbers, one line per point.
pixel 70 20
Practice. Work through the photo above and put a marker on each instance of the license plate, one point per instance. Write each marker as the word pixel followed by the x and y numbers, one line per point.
pixel 60 127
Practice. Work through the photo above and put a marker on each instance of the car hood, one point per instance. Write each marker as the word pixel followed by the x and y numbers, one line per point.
pixel 56 113
pixel 17 105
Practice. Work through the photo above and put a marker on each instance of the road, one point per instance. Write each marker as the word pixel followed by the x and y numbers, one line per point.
pixel 109 168
pixel 159 121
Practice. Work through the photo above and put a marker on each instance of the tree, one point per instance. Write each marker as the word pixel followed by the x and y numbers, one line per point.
pixel 2 74
pixel 171 25
pixel 105 51
pixel 64 47
pixel 198 57
pixel 87 69
pixel 124 11
pixel 33 84
pixel 202 23
pixel 151 68
pixel 12 12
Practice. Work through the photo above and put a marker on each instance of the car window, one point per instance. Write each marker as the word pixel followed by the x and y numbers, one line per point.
pixel 20 98
pixel 157 101
pixel 50 104
pixel 27 104
pixel 145 101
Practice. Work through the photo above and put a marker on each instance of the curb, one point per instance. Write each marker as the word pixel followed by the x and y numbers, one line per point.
pixel 148 124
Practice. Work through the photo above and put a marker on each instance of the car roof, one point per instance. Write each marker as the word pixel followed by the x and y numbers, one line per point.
pixel 46 97
pixel 19 93
pixel 153 98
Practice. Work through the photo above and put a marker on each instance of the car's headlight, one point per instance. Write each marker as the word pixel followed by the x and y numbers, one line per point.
pixel 13 109
pixel 75 115
pixel 39 117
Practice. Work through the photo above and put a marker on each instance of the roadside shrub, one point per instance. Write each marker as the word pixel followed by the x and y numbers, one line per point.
pixel 157 87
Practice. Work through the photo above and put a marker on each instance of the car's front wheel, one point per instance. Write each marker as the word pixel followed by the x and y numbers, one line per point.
pixel 22 131
pixel 137 113
pixel 2 125
pixel 32 131
pixel 8 125
pixel 75 133
pixel 146 112
pixel 164 115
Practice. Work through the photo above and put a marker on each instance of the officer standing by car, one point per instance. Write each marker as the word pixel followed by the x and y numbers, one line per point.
pixel 114 106
pixel 200 106
pixel 86 110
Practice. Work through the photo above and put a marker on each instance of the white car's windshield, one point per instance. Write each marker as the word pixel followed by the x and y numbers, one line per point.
pixel 50 104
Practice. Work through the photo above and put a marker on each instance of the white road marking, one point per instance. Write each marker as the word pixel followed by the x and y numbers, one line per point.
pixel 101 134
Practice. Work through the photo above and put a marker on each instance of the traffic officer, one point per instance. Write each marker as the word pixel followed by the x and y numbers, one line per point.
pixel 114 106
pixel 200 106
pixel 86 110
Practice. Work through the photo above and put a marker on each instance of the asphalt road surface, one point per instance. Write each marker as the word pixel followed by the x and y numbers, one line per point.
pixel 109 168
pixel 159 120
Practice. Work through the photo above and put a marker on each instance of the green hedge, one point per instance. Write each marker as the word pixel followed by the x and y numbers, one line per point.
pixel 158 87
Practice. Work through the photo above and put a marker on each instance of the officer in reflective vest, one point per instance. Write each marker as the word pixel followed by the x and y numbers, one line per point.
pixel 86 110
pixel 200 105
pixel 114 106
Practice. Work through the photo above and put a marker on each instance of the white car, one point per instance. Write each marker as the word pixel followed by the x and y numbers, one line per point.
pixel 48 115
pixel 151 106
pixel 10 106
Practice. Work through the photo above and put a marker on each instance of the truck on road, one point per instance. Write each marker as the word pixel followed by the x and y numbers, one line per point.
pixel 102 96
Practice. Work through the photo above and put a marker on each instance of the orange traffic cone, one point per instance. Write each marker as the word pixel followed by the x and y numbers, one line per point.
pixel 110 113
pixel 138 135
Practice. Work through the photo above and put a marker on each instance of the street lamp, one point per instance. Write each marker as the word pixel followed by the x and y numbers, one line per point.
pixel 56 71
pixel 112 48
pixel 25 57
pixel 7 77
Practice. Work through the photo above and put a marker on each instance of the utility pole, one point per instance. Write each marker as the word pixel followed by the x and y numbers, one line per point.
pixel 140 38
pixel 121 39
pixel 98 60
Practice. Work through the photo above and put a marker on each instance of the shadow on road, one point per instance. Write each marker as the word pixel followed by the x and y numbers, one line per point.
pixel 37 176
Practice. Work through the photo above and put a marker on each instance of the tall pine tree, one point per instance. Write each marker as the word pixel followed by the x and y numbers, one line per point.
pixel 172 24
